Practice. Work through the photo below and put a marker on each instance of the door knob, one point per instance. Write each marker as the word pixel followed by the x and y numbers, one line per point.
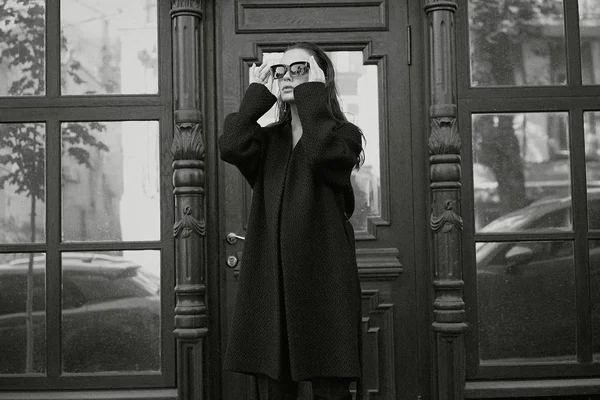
pixel 232 238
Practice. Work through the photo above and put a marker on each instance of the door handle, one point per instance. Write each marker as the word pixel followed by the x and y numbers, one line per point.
pixel 232 238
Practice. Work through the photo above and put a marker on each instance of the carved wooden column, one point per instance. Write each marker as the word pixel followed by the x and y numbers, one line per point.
pixel 189 183
pixel 446 223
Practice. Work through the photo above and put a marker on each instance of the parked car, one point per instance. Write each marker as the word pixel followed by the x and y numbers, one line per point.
pixel 110 315
pixel 527 289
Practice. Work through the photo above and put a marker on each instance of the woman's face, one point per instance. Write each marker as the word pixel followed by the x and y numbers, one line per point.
pixel 288 82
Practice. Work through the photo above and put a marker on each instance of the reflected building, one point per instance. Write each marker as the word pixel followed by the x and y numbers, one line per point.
pixel 92 193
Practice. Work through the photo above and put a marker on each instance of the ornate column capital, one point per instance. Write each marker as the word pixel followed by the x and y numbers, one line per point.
pixel 186 7
pixel 440 5
pixel 187 142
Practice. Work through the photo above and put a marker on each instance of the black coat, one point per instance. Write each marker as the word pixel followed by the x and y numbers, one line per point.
pixel 298 285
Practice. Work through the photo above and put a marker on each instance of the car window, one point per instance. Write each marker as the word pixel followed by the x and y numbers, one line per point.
pixel 500 257
pixel 532 218
pixel 558 219
pixel 94 287
pixel 560 249
pixel 543 250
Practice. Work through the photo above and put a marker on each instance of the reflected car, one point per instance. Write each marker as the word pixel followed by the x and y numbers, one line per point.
pixel 526 290
pixel 110 315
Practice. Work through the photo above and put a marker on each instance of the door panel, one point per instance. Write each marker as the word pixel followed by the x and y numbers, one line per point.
pixel 366 41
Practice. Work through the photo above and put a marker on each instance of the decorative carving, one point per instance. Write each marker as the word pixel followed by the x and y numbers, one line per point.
pixel 444 137
pixel 187 142
pixel 188 224
pixel 448 220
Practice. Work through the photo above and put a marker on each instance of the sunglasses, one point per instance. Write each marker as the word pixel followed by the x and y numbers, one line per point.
pixel 298 68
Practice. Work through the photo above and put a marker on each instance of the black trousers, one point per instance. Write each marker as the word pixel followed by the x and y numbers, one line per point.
pixel 322 389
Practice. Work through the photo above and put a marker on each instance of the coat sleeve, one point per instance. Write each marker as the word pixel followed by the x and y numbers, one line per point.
pixel 242 143
pixel 332 149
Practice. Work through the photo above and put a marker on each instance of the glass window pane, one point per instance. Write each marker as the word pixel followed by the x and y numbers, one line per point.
pixel 110 181
pixel 357 86
pixel 22 183
pixel 521 172
pixel 22 313
pixel 111 311
pixel 526 301
pixel 591 127
pixel 109 47
pixel 22 47
pixel 589 29
pixel 595 295
pixel 517 43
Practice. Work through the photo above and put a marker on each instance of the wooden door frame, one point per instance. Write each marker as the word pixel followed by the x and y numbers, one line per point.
pixel 196 175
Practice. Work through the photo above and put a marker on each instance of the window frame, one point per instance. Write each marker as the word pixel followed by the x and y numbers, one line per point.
pixel 575 99
pixel 52 109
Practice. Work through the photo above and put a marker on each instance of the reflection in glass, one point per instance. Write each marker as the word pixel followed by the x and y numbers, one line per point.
pixel 589 29
pixel 526 301
pixel 518 161
pixel 591 129
pixel 109 47
pixel 110 181
pixel 111 311
pixel 22 183
pixel 517 43
pixel 22 47
pixel 595 295
pixel 357 86
pixel 22 313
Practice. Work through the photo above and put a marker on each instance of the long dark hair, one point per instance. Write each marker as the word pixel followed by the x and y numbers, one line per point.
pixel 331 93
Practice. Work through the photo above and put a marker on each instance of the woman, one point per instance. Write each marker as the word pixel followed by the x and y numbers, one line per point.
pixel 297 314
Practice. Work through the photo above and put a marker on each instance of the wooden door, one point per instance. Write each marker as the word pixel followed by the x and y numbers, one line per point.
pixel 368 44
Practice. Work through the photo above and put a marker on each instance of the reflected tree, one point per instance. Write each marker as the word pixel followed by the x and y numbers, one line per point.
pixel 498 29
pixel 22 146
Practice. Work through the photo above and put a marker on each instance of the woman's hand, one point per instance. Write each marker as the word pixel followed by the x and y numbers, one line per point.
pixel 315 73
pixel 261 74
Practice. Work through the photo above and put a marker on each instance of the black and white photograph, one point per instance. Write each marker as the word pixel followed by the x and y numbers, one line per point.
pixel 299 200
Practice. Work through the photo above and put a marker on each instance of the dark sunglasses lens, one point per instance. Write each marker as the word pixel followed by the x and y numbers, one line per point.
pixel 299 69
pixel 278 71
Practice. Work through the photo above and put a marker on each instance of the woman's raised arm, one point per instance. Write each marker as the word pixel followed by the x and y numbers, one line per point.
pixel 332 149
pixel 242 143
